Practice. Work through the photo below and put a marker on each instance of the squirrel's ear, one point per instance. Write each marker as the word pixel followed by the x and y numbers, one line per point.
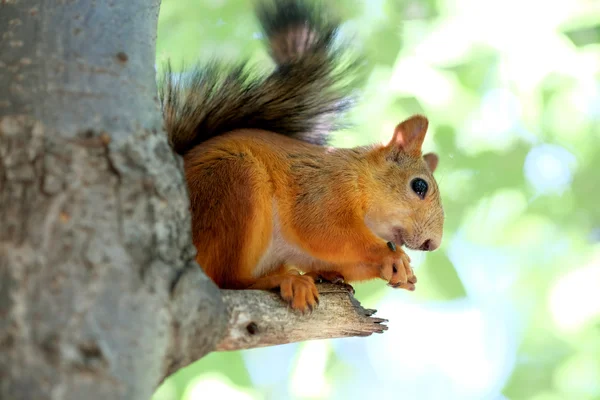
pixel 431 159
pixel 409 135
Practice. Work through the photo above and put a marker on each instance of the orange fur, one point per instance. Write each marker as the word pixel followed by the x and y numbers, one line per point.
pixel 262 203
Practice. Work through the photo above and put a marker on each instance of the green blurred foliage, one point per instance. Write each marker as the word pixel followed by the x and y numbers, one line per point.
pixel 512 92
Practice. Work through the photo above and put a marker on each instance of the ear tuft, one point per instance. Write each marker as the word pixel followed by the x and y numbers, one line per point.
pixel 410 134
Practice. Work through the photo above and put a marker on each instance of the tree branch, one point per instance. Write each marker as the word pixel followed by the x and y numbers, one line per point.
pixel 254 318
pixel 260 318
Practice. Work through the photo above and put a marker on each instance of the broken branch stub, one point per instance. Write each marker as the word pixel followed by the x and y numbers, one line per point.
pixel 260 318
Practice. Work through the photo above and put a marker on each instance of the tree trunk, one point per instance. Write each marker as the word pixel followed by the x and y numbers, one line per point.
pixel 94 226
pixel 100 296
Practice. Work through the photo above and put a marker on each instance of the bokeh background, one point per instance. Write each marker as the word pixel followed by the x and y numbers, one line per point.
pixel 509 307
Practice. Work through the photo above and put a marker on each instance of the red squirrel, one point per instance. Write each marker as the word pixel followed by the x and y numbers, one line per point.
pixel 272 206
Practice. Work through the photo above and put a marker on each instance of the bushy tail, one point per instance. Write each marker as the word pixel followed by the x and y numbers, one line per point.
pixel 304 97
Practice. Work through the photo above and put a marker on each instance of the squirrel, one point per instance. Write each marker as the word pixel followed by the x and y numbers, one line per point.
pixel 272 205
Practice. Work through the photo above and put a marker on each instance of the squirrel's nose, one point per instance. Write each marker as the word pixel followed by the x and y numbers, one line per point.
pixel 428 245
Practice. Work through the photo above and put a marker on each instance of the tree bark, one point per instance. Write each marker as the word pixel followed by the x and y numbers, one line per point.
pixel 94 226
pixel 100 296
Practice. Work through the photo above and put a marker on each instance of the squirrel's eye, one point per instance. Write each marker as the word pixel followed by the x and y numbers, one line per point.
pixel 420 187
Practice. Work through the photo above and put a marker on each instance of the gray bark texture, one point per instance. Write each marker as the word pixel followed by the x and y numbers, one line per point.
pixel 100 296
pixel 257 319
pixel 94 231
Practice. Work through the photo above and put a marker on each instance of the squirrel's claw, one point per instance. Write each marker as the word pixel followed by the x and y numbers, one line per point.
pixel 300 293
pixel 331 277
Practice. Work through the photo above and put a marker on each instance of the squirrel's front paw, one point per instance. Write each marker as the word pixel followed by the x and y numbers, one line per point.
pixel 397 271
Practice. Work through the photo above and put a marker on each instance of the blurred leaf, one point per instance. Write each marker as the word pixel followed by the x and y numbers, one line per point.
pixel 584 36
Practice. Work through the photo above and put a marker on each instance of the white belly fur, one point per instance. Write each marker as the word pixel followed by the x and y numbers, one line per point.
pixel 281 251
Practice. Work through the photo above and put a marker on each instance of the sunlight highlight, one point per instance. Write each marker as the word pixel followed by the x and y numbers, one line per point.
pixel 466 349
pixel 573 300
pixel 548 168
pixel 428 84
pixel 308 379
